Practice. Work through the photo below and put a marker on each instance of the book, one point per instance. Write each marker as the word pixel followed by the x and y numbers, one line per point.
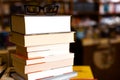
pixel 27 61
pixel 111 8
pixel 83 73
pixel 66 76
pixel 21 49
pixel 39 54
pixel 101 9
pixel 29 24
pixel 47 73
pixel 42 54
pixel 26 69
pixel 41 39
pixel 39 51
pixel 117 8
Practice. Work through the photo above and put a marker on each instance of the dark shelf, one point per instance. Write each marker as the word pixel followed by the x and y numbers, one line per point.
pixel 109 3
pixel 112 14
pixel 87 13
pixel 23 1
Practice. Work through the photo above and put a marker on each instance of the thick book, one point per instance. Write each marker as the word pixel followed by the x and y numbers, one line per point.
pixel 66 76
pixel 39 51
pixel 29 24
pixel 46 73
pixel 41 54
pixel 41 39
pixel 26 69
pixel 27 61
pixel 64 46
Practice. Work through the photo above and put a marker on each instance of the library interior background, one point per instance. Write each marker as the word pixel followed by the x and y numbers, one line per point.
pixel 96 24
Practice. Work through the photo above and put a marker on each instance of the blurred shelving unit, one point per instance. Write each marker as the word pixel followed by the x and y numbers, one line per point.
pixel 109 8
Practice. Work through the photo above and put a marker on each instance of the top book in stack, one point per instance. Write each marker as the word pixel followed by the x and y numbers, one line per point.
pixel 31 24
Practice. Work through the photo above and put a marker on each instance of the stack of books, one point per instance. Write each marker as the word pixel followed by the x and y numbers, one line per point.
pixel 42 46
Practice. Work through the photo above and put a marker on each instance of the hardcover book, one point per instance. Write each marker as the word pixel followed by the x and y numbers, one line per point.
pixel 27 61
pixel 29 24
pixel 21 49
pixel 39 51
pixel 41 39
pixel 26 69
pixel 42 54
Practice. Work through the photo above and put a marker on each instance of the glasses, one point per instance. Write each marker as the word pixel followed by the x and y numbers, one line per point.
pixel 49 9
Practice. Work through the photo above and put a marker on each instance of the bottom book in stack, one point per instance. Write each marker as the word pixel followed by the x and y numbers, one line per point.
pixel 65 76
pixel 32 71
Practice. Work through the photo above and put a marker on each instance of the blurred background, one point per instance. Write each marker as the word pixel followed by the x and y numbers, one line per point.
pixel 97 31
